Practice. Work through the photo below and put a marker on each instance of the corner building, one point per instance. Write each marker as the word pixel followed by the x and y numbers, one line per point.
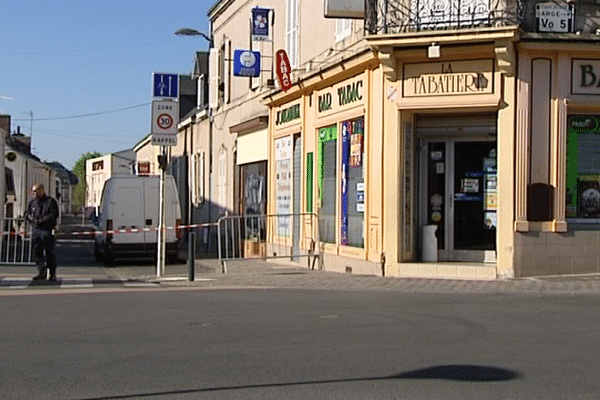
pixel 468 151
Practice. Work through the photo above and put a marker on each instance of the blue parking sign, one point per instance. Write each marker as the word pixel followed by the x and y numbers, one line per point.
pixel 165 85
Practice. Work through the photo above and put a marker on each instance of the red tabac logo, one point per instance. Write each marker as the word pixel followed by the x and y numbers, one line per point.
pixel 283 70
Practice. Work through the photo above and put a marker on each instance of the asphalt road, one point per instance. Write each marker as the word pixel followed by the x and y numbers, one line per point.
pixel 298 344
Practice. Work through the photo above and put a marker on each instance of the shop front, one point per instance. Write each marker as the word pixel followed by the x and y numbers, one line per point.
pixel 449 176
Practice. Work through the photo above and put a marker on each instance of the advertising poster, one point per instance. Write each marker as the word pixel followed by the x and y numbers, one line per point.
pixel 346 133
pixel 283 184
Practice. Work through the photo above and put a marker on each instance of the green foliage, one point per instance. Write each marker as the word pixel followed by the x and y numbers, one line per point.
pixel 79 170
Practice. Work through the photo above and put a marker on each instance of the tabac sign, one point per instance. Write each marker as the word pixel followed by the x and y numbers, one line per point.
pixel 347 94
pixel 473 77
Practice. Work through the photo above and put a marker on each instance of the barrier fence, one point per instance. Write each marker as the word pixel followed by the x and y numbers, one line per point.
pixel 277 236
pixel 15 242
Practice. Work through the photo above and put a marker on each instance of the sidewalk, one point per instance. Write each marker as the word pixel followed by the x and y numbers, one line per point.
pixel 266 274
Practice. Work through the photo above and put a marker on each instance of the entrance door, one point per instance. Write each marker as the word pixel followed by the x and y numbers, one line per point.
pixel 461 195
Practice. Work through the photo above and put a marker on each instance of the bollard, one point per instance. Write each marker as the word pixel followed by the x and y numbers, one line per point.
pixel 191 255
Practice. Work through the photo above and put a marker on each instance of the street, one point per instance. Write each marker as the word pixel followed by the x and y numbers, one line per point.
pixel 192 343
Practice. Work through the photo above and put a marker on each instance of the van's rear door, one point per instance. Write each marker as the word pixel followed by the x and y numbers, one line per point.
pixel 128 215
pixel 151 190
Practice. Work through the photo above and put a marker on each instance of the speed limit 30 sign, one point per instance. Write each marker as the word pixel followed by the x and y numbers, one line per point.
pixel 165 117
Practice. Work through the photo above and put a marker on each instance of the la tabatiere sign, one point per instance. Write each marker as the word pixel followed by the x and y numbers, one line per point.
pixel 472 77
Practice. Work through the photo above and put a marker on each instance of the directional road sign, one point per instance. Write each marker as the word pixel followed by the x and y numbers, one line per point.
pixel 165 85
pixel 165 117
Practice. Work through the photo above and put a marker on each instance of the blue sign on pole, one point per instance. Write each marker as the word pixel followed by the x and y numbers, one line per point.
pixel 260 23
pixel 246 63
pixel 165 85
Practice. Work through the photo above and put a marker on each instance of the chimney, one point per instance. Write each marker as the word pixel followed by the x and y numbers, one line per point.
pixel 5 125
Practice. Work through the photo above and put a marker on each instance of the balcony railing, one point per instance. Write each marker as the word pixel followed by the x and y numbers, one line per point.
pixel 404 16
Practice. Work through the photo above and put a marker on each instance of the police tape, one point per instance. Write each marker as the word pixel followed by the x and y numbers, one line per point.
pixel 137 230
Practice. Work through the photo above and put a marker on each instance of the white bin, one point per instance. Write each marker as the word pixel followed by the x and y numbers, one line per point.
pixel 429 251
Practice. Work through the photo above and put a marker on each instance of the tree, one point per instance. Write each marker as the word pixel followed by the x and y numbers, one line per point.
pixel 79 170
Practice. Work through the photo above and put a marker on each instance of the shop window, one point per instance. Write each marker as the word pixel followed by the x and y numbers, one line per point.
pixel 352 183
pixel 583 168
pixel 327 183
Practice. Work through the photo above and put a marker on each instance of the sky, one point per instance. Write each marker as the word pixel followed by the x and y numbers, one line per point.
pixel 83 69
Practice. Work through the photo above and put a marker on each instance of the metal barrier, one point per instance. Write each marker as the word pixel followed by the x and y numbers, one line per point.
pixel 289 236
pixel 15 242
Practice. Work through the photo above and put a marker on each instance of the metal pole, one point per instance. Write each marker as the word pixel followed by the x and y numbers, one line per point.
pixel 160 258
pixel 191 255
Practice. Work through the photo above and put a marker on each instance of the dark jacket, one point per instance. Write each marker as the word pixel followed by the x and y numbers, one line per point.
pixel 43 213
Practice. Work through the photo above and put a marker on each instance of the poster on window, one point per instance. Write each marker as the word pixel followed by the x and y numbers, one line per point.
pixel 346 133
pixel 283 184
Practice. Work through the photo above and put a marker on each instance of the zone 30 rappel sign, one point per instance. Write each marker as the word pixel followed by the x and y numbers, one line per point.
pixel 165 115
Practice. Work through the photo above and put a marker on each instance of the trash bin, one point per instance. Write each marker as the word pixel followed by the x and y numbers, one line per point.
pixel 429 249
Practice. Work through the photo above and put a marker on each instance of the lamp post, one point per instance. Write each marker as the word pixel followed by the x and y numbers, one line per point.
pixel 191 234
pixel 194 32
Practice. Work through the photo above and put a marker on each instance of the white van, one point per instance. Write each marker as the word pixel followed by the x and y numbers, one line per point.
pixel 129 206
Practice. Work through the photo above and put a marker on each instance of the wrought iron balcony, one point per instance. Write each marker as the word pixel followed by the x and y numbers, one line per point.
pixel 404 16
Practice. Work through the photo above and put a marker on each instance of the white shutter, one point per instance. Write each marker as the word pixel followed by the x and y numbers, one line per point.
pixel 291 35
pixel 227 72
pixel 213 86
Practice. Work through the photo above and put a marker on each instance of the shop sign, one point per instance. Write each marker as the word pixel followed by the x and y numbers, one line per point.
pixel 288 114
pixel 472 77
pixel 344 95
pixel 283 69
pixel 585 77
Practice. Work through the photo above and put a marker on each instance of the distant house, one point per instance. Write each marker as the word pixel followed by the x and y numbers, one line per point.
pixel 99 169
pixel 22 169
pixel 65 183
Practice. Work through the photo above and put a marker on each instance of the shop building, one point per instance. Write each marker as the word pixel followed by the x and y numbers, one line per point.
pixel 479 139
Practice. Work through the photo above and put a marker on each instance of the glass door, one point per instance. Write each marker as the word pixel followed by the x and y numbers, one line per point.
pixel 474 201
pixel 461 197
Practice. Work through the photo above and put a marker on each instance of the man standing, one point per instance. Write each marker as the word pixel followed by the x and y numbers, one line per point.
pixel 42 212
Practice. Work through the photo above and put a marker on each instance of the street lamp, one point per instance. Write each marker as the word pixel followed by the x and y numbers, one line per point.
pixel 191 235
pixel 193 32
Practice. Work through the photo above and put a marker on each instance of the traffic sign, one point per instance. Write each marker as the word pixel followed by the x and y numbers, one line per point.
pixel 246 63
pixel 165 117
pixel 165 85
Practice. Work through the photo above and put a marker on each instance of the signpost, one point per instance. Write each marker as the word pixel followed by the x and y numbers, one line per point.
pixel 165 117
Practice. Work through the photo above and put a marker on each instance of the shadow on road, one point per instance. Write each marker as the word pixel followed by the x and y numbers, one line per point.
pixel 465 373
